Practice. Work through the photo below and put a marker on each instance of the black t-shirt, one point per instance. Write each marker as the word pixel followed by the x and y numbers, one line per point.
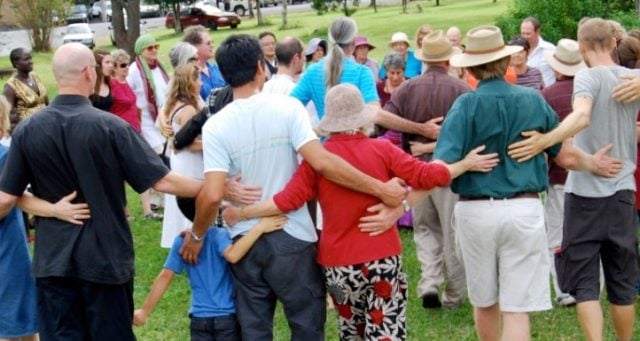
pixel 72 146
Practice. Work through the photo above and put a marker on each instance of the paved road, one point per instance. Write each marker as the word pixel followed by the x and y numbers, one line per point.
pixel 19 38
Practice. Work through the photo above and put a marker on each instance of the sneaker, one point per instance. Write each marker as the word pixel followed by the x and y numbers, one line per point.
pixel 565 300
pixel 431 301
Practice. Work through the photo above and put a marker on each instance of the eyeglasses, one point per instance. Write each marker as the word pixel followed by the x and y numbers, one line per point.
pixel 123 65
pixel 152 47
pixel 192 60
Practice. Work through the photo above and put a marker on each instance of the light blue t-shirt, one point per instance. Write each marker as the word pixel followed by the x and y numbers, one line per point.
pixel 413 67
pixel 311 86
pixel 258 137
pixel 210 279
pixel 611 122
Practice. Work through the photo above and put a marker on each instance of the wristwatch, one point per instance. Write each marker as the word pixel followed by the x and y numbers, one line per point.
pixel 405 206
pixel 195 236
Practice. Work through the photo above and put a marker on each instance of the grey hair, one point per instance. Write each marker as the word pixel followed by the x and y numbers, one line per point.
pixel 120 55
pixel 181 53
pixel 394 61
pixel 342 32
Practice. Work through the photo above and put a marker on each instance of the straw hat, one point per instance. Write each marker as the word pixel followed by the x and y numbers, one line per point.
pixel 484 45
pixel 435 48
pixel 566 58
pixel 399 37
pixel 361 40
pixel 345 109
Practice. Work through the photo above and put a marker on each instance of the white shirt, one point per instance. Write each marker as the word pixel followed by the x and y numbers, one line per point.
pixel 279 84
pixel 150 132
pixel 537 60
pixel 259 137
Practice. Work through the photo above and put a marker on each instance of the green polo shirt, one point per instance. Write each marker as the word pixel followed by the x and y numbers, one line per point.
pixel 494 115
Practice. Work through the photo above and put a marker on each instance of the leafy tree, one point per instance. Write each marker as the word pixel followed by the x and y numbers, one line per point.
pixel 125 35
pixel 37 17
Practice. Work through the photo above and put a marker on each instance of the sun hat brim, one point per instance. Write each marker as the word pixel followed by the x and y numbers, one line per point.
pixel 334 124
pixel 470 59
pixel 567 70
pixel 444 58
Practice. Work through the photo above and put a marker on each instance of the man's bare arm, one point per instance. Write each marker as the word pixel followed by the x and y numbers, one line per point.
pixel 429 129
pixel 207 203
pixel 600 163
pixel 536 142
pixel 178 184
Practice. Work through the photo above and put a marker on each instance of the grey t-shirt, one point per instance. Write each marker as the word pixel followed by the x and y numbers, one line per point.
pixel 611 122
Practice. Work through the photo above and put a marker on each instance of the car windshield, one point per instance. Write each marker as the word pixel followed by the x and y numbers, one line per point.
pixel 79 9
pixel 77 29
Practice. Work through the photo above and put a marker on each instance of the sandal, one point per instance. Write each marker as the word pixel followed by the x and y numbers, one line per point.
pixel 154 216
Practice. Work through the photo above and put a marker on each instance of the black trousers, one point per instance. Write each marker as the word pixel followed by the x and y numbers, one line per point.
pixel 74 309
pixel 280 267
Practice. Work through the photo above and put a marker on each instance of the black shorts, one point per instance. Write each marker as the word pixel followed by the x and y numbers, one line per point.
pixel 595 230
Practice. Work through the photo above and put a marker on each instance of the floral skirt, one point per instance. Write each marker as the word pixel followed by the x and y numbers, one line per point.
pixel 371 299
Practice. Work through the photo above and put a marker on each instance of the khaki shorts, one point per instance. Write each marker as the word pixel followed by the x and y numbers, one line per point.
pixel 503 246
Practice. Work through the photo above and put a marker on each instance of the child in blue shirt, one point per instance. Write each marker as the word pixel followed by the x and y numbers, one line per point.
pixel 212 310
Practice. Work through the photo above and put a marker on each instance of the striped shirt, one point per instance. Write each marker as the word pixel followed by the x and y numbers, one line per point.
pixel 531 79
pixel 311 86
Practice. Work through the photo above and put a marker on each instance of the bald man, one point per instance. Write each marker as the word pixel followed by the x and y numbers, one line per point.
pixel 455 37
pixel 84 276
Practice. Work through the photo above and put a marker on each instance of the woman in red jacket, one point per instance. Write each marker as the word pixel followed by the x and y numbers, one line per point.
pixel 363 270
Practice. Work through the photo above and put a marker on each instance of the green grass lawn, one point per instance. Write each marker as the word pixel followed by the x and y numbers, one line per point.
pixel 170 321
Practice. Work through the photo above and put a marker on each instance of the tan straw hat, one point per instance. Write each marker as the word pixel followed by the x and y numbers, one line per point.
pixel 566 58
pixel 435 48
pixel 484 45
pixel 399 37
pixel 344 109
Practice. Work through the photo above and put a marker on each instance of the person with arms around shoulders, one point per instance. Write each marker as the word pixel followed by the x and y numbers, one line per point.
pixel 259 136
pixel 84 276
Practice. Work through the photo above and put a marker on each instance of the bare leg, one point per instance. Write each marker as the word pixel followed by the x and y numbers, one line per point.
pixel 591 320
pixel 516 326
pixel 623 319
pixel 487 322
pixel 146 202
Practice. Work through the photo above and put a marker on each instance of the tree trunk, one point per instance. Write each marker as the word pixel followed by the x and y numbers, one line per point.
pixel 175 9
pixel 125 38
pixel 251 8
pixel 285 5
pixel 259 13
pixel 374 5
pixel 404 6
pixel 438 3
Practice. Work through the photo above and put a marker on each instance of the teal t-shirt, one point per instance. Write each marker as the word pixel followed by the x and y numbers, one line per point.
pixel 495 115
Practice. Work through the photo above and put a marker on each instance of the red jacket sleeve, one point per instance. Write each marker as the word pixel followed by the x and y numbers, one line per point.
pixel 418 174
pixel 300 189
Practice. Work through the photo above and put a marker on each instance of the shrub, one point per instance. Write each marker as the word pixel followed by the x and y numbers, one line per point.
pixel 559 18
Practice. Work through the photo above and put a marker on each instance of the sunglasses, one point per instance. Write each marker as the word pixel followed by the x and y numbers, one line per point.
pixel 123 65
pixel 152 47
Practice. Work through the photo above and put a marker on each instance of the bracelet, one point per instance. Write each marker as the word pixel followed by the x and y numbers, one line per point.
pixel 405 206
pixel 195 237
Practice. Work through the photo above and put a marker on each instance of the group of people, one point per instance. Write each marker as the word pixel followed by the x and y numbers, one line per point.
pixel 276 138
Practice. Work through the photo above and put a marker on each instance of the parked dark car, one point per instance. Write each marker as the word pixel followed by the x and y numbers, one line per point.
pixel 78 14
pixel 205 15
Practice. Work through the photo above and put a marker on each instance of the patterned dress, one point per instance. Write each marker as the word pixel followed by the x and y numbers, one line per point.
pixel 28 101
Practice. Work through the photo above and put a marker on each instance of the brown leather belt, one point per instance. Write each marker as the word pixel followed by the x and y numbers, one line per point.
pixel 521 195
